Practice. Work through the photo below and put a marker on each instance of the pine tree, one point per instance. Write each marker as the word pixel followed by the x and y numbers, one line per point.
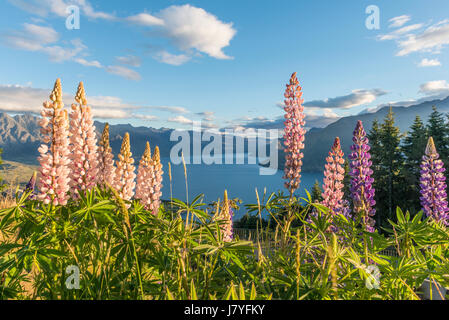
pixel 316 192
pixel 387 163
pixel 437 129
pixel 413 145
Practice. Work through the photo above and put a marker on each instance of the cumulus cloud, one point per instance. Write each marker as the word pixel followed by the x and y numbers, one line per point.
pixel 399 21
pixel 436 87
pixel 17 99
pixel 59 7
pixel 124 72
pixel 429 63
pixel 189 28
pixel 354 99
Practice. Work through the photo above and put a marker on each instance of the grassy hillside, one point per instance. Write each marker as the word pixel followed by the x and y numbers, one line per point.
pixel 13 173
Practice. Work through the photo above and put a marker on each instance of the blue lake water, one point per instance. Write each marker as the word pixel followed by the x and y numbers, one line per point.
pixel 240 180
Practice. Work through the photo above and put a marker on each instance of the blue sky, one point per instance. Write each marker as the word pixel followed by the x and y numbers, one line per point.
pixel 166 63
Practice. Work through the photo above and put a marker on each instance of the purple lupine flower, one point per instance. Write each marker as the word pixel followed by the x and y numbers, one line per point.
pixel 362 191
pixel 30 186
pixel 433 185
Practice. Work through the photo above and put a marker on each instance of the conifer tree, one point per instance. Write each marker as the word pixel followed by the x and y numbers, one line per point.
pixel 436 127
pixel 387 163
pixel 412 146
pixel 316 192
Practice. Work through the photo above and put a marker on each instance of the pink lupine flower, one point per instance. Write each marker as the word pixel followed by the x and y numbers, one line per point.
pixel 149 180
pixel 293 134
pixel 83 145
pixel 54 179
pixel 124 181
pixel 333 179
pixel 225 215
pixel 106 169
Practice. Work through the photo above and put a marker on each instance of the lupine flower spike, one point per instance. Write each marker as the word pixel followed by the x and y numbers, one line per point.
pixel 433 185
pixel 83 145
pixel 54 160
pixel 361 183
pixel 124 173
pixel 293 134
pixel 31 185
pixel 156 181
pixel 333 179
pixel 149 180
pixel 106 169
pixel 225 215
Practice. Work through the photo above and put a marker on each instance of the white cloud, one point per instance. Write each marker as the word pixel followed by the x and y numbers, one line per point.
pixel 354 99
pixel 32 38
pixel 123 72
pixel 180 119
pixel 171 109
pixel 399 21
pixel 173 59
pixel 429 63
pixel 84 62
pixel 206 115
pixel 17 98
pixel 189 27
pixel 132 61
pixel 145 19
pixel 400 32
pixel 59 7
pixel 435 88
pixel 430 40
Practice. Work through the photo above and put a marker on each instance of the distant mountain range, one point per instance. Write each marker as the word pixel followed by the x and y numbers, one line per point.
pixel 20 134
pixel 319 141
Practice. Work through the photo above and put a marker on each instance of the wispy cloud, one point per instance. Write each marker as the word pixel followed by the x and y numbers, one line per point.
pixel 171 109
pixel 411 38
pixel 173 59
pixel 180 119
pixel 124 72
pixel 400 32
pixel 354 99
pixel 130 60
pixel 399 21
pixel 58 7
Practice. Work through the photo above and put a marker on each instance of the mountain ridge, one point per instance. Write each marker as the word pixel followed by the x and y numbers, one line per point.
pixel 20 134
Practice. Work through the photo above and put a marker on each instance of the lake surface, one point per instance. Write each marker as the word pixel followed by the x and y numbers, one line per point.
pixel 240 180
